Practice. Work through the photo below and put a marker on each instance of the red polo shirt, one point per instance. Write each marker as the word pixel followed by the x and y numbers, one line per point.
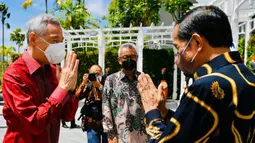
pixel 33 102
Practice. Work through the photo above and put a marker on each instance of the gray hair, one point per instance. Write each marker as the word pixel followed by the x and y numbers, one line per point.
pixel 127 45
pixel 39 23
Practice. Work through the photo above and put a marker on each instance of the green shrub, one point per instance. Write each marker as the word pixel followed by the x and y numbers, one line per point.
pixel 250 49
pixel 14 57
pixel 153 61
pixel 241 43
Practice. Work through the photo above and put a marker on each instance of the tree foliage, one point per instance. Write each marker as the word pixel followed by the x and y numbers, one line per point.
pixel 177 7
pixel 152 65
pixel 28 3
pixel 4 15
pixel 250 49
pixel 135 12
pixel 8 53
pixel 17 37
pixel 74 15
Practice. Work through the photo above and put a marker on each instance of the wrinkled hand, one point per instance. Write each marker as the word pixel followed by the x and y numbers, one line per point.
pixel 69 74
pixel 162 103
pixel 152 97
pixel 114 140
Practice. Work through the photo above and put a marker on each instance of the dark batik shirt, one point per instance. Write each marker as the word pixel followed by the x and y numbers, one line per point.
pixel 218 107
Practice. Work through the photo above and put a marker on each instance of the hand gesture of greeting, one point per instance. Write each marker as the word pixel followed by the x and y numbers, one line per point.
pixel 68 75
pixel 152 98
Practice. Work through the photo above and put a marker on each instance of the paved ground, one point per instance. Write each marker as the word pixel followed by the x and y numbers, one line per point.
pixel 66 135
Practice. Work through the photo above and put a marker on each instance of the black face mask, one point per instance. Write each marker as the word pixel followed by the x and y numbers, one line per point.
pixel 129 65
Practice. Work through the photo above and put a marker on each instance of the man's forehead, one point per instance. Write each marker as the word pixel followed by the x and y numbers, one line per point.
pixel 54 35
pixel 95 69
pixel 127 51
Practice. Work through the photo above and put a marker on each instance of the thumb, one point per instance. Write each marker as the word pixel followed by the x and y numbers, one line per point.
pixel 160 88
pixel 162 93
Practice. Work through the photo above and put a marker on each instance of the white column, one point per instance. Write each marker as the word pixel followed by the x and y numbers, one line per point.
pixel 226 7
pixel 174 95
pixel 182 85
pixel 139 49
pixel 101 49
pixel 234 25
pixel 247 37
pixel 68 49
pixel 69 45
pixel 235 30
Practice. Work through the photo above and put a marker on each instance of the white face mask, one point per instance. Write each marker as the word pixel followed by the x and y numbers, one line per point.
pixel 55 53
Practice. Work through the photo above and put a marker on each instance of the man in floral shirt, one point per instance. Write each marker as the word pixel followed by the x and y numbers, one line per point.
pixel 122 107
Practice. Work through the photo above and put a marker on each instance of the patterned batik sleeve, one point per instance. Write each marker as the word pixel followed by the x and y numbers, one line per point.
pixel 194 120
pixel 108 119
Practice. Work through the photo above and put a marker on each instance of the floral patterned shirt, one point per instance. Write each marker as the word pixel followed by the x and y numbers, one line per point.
pixel 123 110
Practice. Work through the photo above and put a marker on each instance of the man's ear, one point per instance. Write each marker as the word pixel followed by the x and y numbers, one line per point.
pixel 32 37
pixel 199 41
pixel 119 60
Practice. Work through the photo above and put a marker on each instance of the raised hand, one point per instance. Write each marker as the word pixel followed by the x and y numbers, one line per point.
pixel 82 87
pixel 151 96
pixel 85 77
pixel 69 74
pixel 162 98
pixel 84 82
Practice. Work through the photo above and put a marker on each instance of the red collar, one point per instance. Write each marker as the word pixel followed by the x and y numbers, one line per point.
pixel 31 63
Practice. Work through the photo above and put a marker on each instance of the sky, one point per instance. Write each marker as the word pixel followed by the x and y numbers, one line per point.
pixel 20 16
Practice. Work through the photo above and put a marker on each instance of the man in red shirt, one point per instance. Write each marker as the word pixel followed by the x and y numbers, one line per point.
pixel 35 92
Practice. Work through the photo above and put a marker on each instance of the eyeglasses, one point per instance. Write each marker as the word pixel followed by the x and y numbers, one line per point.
pixel 133 57
pixel 184 49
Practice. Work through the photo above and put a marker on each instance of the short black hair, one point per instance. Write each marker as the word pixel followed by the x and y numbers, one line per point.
pixel 208 21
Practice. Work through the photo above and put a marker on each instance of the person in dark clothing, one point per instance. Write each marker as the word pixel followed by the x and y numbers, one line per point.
pixel 91 89
pixel 219 106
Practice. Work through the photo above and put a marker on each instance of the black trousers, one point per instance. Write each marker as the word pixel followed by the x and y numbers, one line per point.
pixel 72 122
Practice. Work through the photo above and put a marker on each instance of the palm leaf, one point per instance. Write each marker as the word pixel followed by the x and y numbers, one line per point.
pixel 8 15
pixel 59 2
pixel 7 25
